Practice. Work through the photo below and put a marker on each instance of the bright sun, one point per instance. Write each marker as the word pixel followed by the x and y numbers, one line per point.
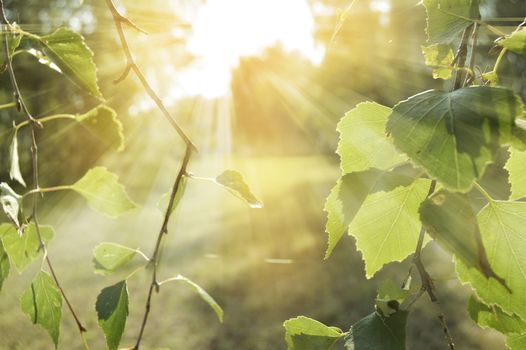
pixel 225 30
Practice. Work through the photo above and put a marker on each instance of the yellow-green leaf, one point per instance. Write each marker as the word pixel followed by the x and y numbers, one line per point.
pixel 112 312
pixel 440 58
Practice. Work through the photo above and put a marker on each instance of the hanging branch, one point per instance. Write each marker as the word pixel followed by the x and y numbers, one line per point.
pixel 34 124
pixel 131 65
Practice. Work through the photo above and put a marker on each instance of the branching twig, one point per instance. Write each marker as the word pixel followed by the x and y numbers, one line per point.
pixel 131 65
pixel 21 106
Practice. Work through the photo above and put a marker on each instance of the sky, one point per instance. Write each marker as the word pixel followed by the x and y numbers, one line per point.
pixel 225 30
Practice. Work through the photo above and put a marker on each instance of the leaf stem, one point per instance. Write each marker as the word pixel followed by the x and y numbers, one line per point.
pixel 499 59
pixel 8 105
pixel 21 107
pixel 483 192
pixel 47 190
pixel 46 119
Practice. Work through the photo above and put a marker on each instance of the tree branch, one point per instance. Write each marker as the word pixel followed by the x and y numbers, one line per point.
pixel 21 107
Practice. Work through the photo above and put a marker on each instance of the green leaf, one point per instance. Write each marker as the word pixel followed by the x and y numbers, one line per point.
pixel 350 192
pixel 516 42
pixel 42 302
pixel 516 342
pixel 446 19
pixel 164 201
pixel 204 295
pixel 376 332
pixel 13 41
pixel 112 312
pixel 5 266
pixel 390 296
pixel 494 317
pixel 303 333
pixel 69 52
pixel 450 220
pixel 103 192
pixel 363 143
pixel 233 181
pixel 102 122
pixel 24 249
pixel 455 135
pixel 14 172
pixel 387 225
pixel 439 57
pixel 108 257
pixel 516 167
pixel 11 204
pixel 501 225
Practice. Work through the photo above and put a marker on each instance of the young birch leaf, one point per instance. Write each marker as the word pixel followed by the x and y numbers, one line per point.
pixel 164 201
pixel 450 220
pixel 42 302
pixel 440 58
pixel 233 181
pixel 387 226
pixel 455 135
pixel 390 296
pixel 494 317
pixel 516 42
pixel 446 19
pixel 102 122
pixel 112 312
pixel 516 167
pixel 303 333
pixel 204 295
pixel 103 192
pixel 516 342
pixel 351 190
pixel 501 225
pixel 69 52
pixel 14 172
pixel 11 205
pixel 5 266
pixel 108 257
pixel 24 249
pixel 363 142
pixel 376 332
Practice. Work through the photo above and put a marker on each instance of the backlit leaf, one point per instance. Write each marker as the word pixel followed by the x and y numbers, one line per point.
pixel 13 41
pixel 164 201
pixel 450 220
pixel 11 204
pixel 376 332
pixel 390 296
pixel 440 58
pixel 204 295
pixel 69 52
pixel 112 312
pixel 455 135
pixel 102 122
pixel 502 228
pixel 42 302
pixel 108 257
pixel 234 182
pixel 103 192
pixel 24 249
pixel 516 42
pixel 303 333
pixel 446 19
pixel 14 172
pixel 5 266
pixel 363 143
pixel 387 225
pixel 516 167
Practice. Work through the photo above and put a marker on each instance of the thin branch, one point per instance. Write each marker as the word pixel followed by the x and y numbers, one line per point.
pixel 155 285
pixel 21 106
pixel 131 65
pixel 461 57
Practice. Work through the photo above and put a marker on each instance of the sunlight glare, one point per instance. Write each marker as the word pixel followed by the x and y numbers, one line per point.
pixel 225 30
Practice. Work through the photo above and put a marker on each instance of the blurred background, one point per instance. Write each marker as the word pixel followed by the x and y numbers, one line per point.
pixel 260 87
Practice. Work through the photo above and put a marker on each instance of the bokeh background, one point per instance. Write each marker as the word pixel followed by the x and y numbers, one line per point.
pixel 260 87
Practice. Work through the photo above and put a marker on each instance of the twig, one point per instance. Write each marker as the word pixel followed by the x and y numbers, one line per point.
pixel 461 57
pixel 131 65
pixel 21 106
pixel 163 231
